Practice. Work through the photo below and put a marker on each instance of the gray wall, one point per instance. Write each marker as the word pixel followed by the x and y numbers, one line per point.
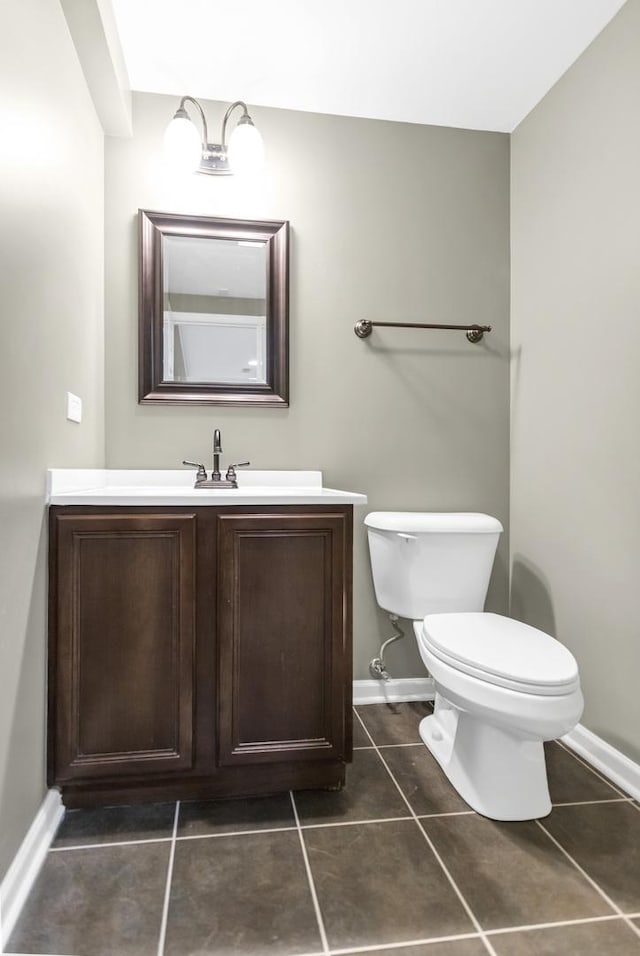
pixel 389 221
pixel 575 476
pixel 51 328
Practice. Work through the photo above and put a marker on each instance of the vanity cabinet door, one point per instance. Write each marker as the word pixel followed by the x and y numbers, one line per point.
pixel 284 637
pixel 122 623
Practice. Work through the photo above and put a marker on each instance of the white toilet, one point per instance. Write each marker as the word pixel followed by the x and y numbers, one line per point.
pixel 502 687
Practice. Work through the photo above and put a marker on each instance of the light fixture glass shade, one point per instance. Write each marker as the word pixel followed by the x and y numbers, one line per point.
pixel 182 145
pixel 246 149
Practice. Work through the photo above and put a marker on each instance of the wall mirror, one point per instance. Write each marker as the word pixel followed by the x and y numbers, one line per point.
pixel 213 310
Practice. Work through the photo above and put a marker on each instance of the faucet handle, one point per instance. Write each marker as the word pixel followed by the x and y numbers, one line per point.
pixel 231 470
pixel 202 473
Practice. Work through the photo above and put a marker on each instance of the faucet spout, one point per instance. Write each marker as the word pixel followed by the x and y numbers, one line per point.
pixel 217 451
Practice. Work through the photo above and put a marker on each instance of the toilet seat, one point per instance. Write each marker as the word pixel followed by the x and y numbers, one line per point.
pixel 501 651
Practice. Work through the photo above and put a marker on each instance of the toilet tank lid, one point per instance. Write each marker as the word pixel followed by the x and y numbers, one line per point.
pixel 418 522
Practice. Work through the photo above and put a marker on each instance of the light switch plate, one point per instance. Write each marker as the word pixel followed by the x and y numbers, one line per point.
pixel 74 407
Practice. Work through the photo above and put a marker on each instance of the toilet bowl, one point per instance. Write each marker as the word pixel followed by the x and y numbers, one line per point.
pixel 502 687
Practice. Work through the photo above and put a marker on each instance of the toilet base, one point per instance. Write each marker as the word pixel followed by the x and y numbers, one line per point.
pixel 499 775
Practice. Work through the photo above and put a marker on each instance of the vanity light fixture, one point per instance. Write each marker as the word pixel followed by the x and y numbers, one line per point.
pixel 187 151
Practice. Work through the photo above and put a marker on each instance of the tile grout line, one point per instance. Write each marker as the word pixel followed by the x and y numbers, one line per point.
pixel 311 826
pixel 360 823
pixel 232 833
pixel 590 879
pixel 404 944
pixel 588 803
pixel 487 944
pixel 532 927
pixel 350 823
pixel 457 937
pixel 99 846
pixel 312 886
pixel 387 746
pixel 503 931
pixel 167 890
pixel 593 770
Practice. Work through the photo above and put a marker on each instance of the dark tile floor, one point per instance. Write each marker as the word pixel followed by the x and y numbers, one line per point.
pixel 394 865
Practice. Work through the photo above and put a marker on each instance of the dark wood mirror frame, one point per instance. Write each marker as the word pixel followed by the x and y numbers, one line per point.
pixel 153 226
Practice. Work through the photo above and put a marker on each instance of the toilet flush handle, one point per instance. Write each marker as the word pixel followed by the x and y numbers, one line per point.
pixel 407 537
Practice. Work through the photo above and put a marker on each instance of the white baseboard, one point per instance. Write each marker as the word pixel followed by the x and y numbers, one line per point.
pixel 393 691
pixel 26 864
pixel 620 769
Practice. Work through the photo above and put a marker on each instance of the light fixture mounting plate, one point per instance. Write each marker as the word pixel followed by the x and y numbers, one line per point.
pixel 215 161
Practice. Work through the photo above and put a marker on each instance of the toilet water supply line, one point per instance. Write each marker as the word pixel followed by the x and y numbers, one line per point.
pixel 376 668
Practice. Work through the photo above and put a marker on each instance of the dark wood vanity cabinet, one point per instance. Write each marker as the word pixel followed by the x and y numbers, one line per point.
pixel 122 663
pixel 199 652
pixel 280 598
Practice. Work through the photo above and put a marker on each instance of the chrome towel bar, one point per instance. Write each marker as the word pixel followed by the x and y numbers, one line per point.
pixel 364 327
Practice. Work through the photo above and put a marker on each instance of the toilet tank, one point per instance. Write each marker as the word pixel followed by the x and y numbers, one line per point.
pixel 431 562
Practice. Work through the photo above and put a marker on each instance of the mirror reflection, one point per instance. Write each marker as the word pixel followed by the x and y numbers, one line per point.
pixel 213 310
pixel 215 319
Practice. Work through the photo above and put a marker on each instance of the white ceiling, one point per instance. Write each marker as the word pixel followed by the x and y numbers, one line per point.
pixel 476 64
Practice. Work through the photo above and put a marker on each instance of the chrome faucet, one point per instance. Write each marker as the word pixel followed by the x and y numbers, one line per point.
pixel 216 481
pixel 217 451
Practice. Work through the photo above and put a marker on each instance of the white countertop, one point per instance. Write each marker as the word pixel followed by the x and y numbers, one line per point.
pixel 108 486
